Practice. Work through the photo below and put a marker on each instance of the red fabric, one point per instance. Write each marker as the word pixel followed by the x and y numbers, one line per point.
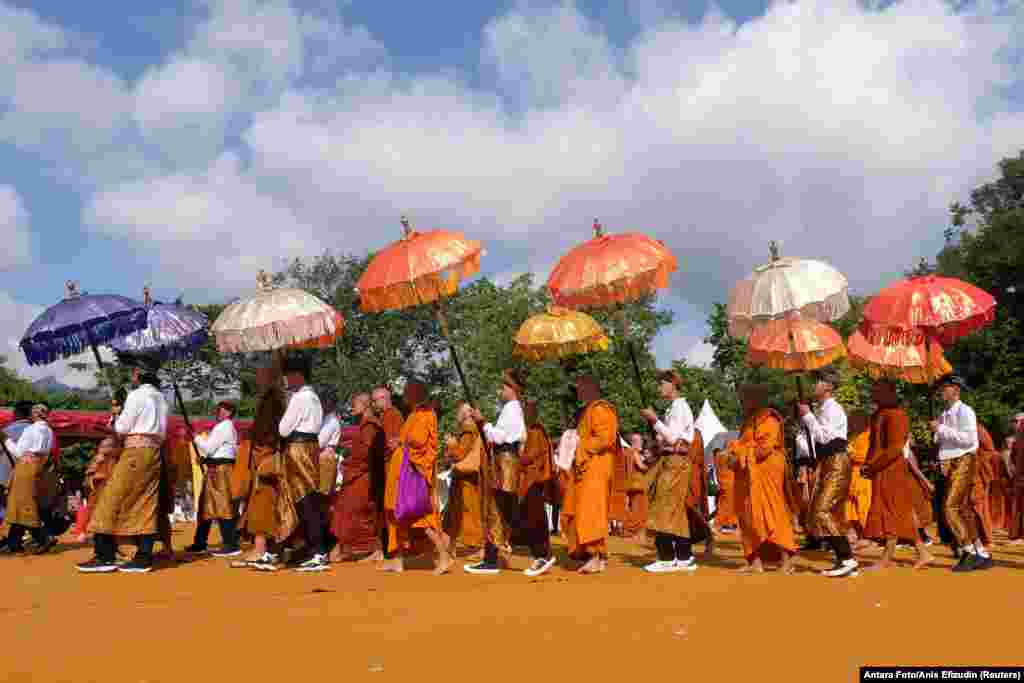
pixel 944 307
pixel 82 519
pixel 93 425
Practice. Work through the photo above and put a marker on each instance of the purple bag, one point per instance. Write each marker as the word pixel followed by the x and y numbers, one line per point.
pixel 413 493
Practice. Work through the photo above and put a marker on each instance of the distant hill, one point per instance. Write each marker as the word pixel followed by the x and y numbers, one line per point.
pixel 51 385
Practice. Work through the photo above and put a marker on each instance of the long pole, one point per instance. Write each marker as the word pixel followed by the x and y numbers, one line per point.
pixel 103 368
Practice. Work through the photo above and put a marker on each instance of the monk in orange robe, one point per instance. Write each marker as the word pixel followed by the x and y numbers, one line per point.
pixel 418 440
pixel 891 516
pixel 536 469
pixel 987 455
pixel 758 458
pixel 354 513
pixel 464 519
pixel 391 421
pixel 637 504
pixel 697 497
pixel 725 503
pixel 859 501
pixel 1015 525
pixel 999 492
pixel 618 496
pixel 592 472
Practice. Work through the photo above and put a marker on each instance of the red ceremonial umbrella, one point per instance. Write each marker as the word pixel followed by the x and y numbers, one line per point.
pixel 927 307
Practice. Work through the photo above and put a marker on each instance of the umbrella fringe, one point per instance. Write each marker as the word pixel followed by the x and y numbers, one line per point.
pixel 620 291
pixel 47 347
pixel 797 362
pixel 423 290
pixel 278 334
pixel 555 351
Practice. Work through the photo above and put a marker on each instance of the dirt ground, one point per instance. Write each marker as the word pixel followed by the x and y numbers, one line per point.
pixel 203 621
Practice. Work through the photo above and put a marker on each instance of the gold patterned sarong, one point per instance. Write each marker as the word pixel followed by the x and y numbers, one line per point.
pixel 495 526
pixel 506 471
pixel 328 466
pixel 260 518
pixel 667 494
pixel 128 503
pixel 215 500
pixel 301 469
pixel 23 496
pixel 957 507
pixel 832 488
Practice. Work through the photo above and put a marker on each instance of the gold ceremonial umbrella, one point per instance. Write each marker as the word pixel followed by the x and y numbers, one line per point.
pixel 558 333
pixel 794 344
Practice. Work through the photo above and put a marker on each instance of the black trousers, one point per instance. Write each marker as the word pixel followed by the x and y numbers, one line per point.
pixel 106 547
pixel 671 547
pixel 228 533
pixel 311 519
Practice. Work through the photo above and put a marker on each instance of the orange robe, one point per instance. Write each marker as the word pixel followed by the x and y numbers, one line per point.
pixel 354 511
pixel 986 470
pixel 464 519
pixel 617 499
pixel 999 494
pixel 725 503
pixel 697 497
pixel 392 422
pixel 419 435
pixel 892 506
pixel 535 472
pixel 859 502
pixel 592 474
pixel 1015 523
pixel 636 496
pixel 765 517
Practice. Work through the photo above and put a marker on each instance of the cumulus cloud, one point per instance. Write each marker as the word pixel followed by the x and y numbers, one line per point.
pixel 14 230
pixel 15 317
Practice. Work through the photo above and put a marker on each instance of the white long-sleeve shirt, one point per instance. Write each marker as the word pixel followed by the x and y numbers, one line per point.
pixel 304 413
pixel 827 423
pixel 330 432
pixel 144 412
pixel 13 432
pixel 37 438
pixel 222 442
pixel 803 449
pixel 566 454
pixel 511 427
pixel 958 431
pixel 677 425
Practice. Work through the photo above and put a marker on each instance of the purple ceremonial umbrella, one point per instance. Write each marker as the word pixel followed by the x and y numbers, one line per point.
pixel 80 322
pixel 171 333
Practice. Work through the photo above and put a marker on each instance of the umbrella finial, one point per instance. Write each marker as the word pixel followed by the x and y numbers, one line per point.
pixel 598 228
pixel 72 288
pixel 263 281
pixel 406 226
pixel 147 298
pixel 773 249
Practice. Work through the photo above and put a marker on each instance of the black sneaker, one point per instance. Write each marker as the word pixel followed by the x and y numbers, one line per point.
pixel 811 544
pixel 227 552
pixel 136 566
pixel 968 563
pixel 97 566
pixel 9 550
pixel 482 568
pixel 50 544
pixel 195 549
pixel 984 562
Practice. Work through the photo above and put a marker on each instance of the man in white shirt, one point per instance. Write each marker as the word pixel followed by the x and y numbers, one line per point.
pixel 668 516
pixel 505 439
pixel 956 433
pixel 22 419
pixel 129 503
pixel 828 429
pixel 300 428
pixel 217 452
pixel 31 453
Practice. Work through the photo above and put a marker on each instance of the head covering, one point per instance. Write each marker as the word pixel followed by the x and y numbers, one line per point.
pixel 828 375
pixel 953 380
pixel 22 410
pixel 328 395
pixel 228 406
pixel 299 365
pixel 671 376
pixel 515 379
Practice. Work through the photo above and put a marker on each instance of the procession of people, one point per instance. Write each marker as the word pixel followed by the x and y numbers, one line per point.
pixel 307 506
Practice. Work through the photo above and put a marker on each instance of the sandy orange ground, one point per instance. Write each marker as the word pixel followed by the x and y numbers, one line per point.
pixel 354 623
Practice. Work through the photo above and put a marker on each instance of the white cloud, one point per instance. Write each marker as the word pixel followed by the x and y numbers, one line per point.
pixel 14 230
pixel 15 318
pixel 678 342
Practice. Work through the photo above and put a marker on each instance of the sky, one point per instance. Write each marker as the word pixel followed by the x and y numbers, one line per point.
pixel 189 143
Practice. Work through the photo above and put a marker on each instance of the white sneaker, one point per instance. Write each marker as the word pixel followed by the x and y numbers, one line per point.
pixel 689 565
pixel 267 562
pixel 662 567
pixel 845 568
pixel 317 563
pixel 539 567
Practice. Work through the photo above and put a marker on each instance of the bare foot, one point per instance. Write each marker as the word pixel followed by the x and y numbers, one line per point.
pixel 444 564
pixel 862 545
pixel 924 560
pixel 751 568
pixel 788 566
pixel 709 552
pixel 593 566
pixel 879 566
pixel 335 557
pixel 375 556
pixel 393 566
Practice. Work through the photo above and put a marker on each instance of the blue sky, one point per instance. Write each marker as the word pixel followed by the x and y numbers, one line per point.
pixel 190 144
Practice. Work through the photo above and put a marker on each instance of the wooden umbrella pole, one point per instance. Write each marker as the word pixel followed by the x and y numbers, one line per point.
pixel 621 312
pixel 188 423
pixel 103 368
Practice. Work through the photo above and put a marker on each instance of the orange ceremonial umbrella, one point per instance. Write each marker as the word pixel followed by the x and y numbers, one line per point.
pixel 611 270
pixel 420 268
pixel 558 333
pixel 915 363
pixel 794 345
